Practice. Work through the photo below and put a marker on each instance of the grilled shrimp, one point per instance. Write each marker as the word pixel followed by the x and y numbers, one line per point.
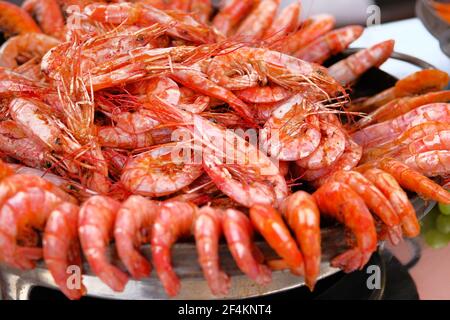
pixel 21 48
pixel 137 13
pixel 13 83
pixel 309 30
pixel 38 125
pixel 48 14
pixel 414 181
pixel 302 215
pixel 13 184
pixel 339 201
pixel 174 221
pixel 155 173
pixel 14 20
pixel 201 9
pixel 266 94
pixel 415 133
pixel 431 163
pixel 437 141
pixel 292 132
pixel 193 102
pixel 331 148
pixel 418 83
pixel 389 130
pixel 332 43
pixel 259 20
pixel 272 227
pixel 207 231
pixel 261 65
pixel 199 82
pixel 132 229
pixel 115 137
pixel 232 170
pixel 238 232
pixel 96 226
pixel 387 184
pixel 135 65
pixel 374 199
pixel 62 249
pixel 286 22
pixel 398 107
pixel 162 87
pixel 231 15
pixel 21 216
pixel 347 161
pixel 20 147
pixel 348 70
pixel 248 176
pixel 138 122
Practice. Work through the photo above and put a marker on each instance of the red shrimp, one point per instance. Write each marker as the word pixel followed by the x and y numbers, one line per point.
pixel 302 215
pixel 95 227
pixel 339 201
pixel 173 222
pixel 207 231
pixel 62 249
pixel 238 231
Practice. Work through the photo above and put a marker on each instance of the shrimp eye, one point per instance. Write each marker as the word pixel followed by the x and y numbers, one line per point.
pixel 140 38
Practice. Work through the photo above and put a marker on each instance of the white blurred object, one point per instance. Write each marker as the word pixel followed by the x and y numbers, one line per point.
pixel 345 11
pixel 412 38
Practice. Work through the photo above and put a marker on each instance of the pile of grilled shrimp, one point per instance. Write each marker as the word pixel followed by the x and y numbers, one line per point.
pixel 156 121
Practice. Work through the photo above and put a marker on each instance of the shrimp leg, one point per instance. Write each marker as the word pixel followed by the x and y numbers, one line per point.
pixel 200 83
